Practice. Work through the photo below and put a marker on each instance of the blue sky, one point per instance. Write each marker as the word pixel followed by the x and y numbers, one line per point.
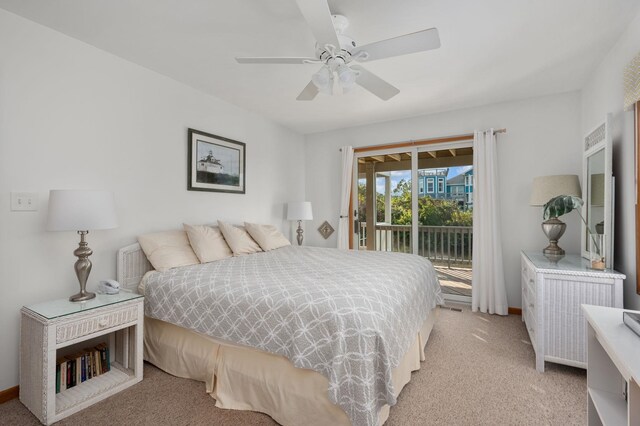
pixel 406 175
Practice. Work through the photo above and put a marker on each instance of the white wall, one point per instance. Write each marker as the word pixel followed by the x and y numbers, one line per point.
pixel 603 93
pixel 72 116
pixel 541 139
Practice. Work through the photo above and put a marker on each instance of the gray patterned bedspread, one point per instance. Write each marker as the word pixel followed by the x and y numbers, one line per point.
pixel 349 315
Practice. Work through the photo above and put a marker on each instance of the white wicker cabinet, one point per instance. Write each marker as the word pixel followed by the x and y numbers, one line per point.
pixel 57 328
pixel 551 299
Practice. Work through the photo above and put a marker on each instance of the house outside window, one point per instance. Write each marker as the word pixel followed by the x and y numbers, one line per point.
pixel 441 185
pixel 421 186
pixel 468 181
pixel 470 198
pixel 430 186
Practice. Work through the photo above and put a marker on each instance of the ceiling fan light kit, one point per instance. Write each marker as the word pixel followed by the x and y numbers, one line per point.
pixel 323 80
pixel 346 75
pixel 339 53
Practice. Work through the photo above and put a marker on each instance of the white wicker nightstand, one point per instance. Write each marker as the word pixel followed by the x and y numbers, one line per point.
pixel 54 329
pixel 551 299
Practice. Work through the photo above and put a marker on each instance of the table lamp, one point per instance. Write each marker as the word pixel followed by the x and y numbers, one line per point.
pixel 81 211
pixel 299 210
pixel 544 189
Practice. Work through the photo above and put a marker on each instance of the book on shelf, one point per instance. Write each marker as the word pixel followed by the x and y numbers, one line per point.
pixel 103 350
pixel 71 374
pixel 76 368
pixel 88 365
pixel 83 369
pixel 57 378
pixel 61 375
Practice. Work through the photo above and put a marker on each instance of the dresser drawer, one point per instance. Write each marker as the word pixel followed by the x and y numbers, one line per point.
pixel 528 280
pixel 83 327
pixel 530 323
pixel 529 302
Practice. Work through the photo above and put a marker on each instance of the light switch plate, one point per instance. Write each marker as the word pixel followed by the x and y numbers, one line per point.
pixel 24 201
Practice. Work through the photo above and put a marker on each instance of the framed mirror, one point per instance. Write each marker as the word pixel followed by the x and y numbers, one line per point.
pixel 598 193
pixel 637 164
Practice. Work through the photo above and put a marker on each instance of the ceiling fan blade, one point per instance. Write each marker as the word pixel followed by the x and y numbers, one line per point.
pixel 284 60
pixel 401 45
pixel 375 84
pixel 318 16
pixel 308 93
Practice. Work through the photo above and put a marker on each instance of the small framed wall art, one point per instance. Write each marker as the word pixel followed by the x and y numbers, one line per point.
pixel 325 230
pixel 215 163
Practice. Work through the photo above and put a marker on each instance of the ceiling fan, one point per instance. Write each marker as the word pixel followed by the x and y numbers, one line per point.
pixel 339 54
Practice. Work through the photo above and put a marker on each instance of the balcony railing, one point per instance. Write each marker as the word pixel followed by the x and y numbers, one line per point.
pixel 441 244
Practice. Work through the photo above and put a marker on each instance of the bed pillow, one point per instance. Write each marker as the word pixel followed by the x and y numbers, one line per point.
pixel 238 239
pixel 207 242
pixel 169 249
pixel 267 236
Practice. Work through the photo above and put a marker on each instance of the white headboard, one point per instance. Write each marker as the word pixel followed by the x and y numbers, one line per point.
pixel 132 265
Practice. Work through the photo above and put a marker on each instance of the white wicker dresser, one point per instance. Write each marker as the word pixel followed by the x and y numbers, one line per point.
pixel 52 330
pixel 551 299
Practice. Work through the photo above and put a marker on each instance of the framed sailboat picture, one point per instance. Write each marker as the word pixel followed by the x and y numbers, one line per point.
pixel 216 164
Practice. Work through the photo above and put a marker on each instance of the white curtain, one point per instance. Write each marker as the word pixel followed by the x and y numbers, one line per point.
pixel 489 293
pixel 345 197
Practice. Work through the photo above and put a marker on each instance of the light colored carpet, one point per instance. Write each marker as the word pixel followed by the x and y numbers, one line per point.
pixel 479 371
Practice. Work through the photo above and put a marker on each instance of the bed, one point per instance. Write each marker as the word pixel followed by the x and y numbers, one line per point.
pixel 323 335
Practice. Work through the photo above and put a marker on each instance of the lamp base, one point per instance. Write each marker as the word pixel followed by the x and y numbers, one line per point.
pixel 553 228
pixel 553 250
pixel 299 231
pixel 83 268
pixel 82 296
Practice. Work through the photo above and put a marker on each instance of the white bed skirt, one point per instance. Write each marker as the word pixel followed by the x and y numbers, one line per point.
pixel 242 378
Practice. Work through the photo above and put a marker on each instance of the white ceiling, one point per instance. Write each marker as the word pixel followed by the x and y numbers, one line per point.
pixel 492 50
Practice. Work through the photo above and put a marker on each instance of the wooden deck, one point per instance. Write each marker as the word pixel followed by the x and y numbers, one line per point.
pixel 454 280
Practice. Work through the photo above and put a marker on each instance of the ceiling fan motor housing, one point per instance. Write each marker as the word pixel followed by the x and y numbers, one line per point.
pixel 343 51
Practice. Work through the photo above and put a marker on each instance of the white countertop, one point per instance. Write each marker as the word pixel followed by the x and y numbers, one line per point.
pixel 622 344
pixel 61 307
pixel 570 264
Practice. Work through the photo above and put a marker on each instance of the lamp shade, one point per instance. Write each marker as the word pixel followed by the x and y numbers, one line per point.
pixel 299 210
pixel 76 210
pixel 547 187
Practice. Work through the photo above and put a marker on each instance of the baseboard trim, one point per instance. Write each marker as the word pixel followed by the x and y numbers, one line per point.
pixel 515 311
pixel 9 394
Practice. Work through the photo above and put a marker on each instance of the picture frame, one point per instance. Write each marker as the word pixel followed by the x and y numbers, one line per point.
pixel 215 163
pixel 326 229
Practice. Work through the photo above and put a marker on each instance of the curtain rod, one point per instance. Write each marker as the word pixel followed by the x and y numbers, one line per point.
pixel 421 142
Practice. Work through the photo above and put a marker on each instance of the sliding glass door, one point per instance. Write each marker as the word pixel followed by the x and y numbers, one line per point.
pixel 420 201
pixel 384 202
